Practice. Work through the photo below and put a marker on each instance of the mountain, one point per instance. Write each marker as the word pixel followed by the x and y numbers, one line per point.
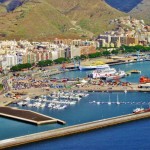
pixel 142 11
pixel 136 8
pixel 43 19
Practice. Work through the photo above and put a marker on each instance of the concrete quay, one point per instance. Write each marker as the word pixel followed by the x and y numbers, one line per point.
pixel 28 116
pixel 110 88
pixel 71 130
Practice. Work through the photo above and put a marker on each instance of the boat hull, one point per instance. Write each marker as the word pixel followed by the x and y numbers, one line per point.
pixel 93 67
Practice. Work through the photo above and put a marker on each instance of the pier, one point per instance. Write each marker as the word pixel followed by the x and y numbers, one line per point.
pixel 71 130
pixel 28 116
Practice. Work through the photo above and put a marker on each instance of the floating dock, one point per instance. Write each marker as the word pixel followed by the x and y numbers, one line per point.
pixel 28 116
pixel 71 130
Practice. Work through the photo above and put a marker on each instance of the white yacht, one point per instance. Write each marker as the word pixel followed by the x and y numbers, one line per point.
pixel 138 110
pixel 30 105
pixel 27 99
pixel 125 91
pixel 43 105
pixel 118 103
pixel 109 102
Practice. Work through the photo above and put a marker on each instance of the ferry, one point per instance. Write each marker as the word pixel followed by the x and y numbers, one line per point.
pixel 103 73
pixel 94 65
pixel 117 75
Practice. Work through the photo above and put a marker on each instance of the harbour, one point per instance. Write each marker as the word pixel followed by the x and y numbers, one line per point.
pixel 127 104
pixel 72 130
pixel 74 75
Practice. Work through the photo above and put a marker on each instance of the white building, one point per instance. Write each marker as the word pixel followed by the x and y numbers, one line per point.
pixel 11 60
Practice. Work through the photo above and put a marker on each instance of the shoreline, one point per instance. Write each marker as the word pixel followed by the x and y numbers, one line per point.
pixel 40 91
pixel 75 129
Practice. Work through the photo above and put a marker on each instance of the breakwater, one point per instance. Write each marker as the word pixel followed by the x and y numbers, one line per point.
pixel 71 130
pixel 28 116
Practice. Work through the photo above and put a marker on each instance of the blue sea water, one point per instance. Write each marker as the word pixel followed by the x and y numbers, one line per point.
pixel 133 135
pixel 130 136
pixel 142 66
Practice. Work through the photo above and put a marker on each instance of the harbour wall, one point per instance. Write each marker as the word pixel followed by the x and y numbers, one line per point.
pixel 71 130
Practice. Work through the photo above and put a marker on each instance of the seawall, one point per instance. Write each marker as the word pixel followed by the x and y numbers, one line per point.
pixel 71 130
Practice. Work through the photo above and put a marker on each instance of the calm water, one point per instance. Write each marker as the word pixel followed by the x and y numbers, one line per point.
pixel 142 66
pixel 131 136
pixel 128 136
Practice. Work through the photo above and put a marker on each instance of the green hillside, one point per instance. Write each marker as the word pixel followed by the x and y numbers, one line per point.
pixel 2 9
pixel 44 19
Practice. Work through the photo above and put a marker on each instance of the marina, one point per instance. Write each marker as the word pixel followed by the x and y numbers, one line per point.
pixel 123 100
pixel 56 100
pixel 74 75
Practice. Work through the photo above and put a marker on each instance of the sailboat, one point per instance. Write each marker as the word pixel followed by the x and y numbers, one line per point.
pixel 118 103
pixel 125 91
pixel 109 102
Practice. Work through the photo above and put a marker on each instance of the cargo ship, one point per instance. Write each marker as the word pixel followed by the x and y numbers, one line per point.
pixel 144 79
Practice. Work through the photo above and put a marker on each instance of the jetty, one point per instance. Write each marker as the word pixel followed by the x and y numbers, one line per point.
pixel 28 116
pixel 71 130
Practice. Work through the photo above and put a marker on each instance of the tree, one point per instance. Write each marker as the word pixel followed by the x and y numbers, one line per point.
pixel 115 52
pixel 19 67
pixel 44 63
pixel 106 53
pixel 61 60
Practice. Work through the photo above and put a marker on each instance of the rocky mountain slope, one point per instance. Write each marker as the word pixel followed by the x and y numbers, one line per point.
pixel 42 19
pixel 142 11
pixel 139 9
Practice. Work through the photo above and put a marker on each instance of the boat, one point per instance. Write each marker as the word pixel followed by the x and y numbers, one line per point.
pixel 103 73
pixel 98 103
pixel 148 59
pixel 20 103
pixel 117 75
pixel 140 59
pixel 43 105
pixel 27 99
pixel 118 103
pixel 138 110
pixel 30 105
pixel 135 71
pixel 141 110
pixel 147 110
pixel 109 102
pixel 125 91
pixel 94 65
pixel 144 79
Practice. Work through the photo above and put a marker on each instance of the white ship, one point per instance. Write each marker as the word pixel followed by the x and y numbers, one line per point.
pixel 94 65
pixel 103 73
pixel 117 75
